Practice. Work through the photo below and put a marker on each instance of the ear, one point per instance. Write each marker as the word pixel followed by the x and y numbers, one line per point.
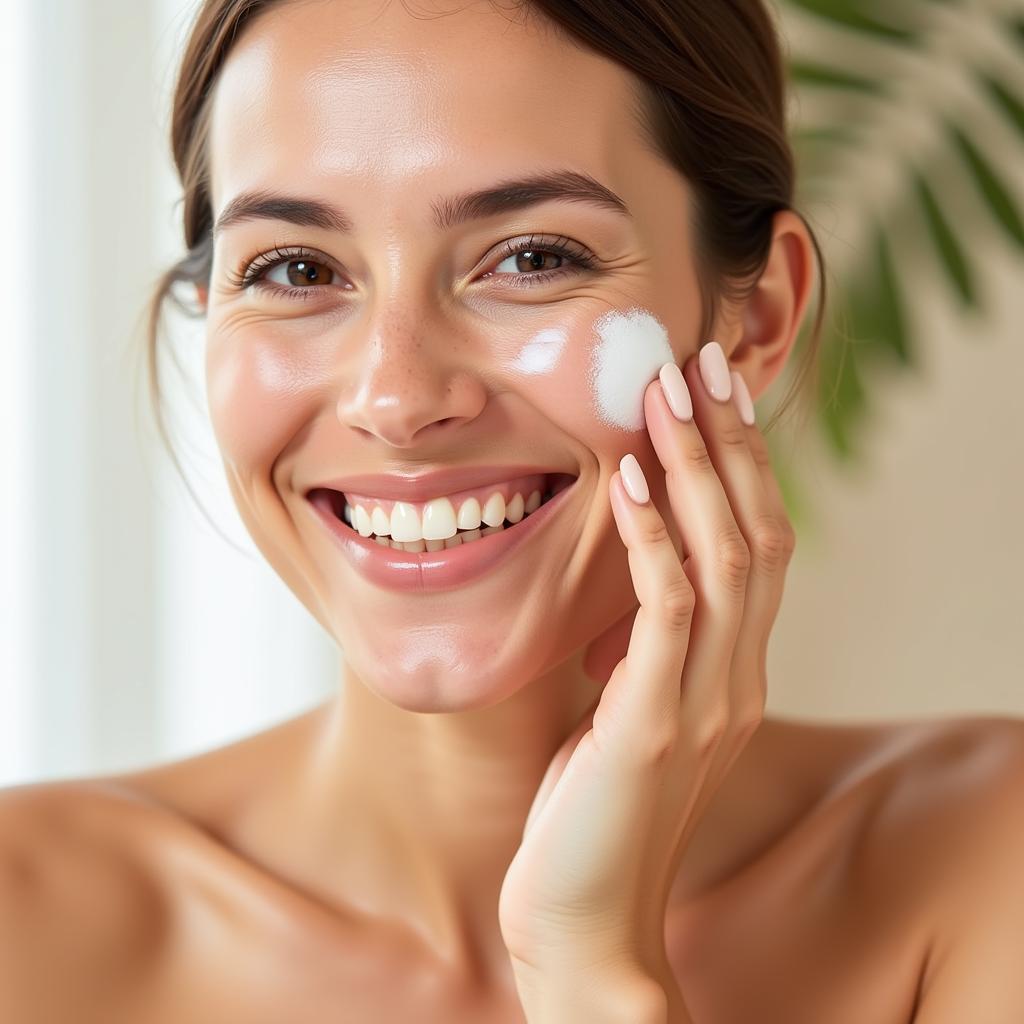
pixel 759 337
pixel 202 294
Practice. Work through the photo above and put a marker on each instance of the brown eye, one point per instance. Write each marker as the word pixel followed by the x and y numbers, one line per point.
pixel 530 261
pixel 304 271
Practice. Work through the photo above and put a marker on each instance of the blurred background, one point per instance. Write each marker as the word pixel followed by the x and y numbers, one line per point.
pixel 133 632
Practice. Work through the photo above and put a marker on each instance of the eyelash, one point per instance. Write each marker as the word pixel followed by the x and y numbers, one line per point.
pixel 251 273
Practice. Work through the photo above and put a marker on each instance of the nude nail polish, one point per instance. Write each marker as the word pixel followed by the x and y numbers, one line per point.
pixel 633 479
pixel 677 394
pixel 714 371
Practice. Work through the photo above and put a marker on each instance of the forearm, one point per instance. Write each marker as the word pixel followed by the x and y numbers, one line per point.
pixel 565 996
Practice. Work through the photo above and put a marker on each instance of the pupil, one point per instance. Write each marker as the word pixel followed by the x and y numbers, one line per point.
pixel 534 260
pixel 306 269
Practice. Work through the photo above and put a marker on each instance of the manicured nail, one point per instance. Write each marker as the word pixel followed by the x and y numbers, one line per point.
pixel 741 393
pixel 714 370
pixel 677 394
pixel 633 479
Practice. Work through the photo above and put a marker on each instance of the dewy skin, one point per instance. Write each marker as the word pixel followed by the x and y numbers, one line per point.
pixel 632 348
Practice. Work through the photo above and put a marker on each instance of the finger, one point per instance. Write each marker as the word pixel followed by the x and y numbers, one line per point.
pixel 717 553
pixel 640 703
pixel 768 602
pixel 717 411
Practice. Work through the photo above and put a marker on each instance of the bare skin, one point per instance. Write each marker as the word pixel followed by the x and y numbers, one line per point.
pixel 832 861
pixel 347 864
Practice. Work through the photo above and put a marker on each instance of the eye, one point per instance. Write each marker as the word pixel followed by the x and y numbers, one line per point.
pixel 529 262
pixel 303 273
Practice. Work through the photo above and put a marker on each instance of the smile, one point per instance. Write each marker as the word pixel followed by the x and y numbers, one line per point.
pixel 440 543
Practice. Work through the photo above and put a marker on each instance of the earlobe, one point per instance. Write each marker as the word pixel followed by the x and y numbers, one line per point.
pixel 773 313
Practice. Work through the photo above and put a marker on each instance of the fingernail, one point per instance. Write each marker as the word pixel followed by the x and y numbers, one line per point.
pixel 633 479
pixel 677 394
pixel 714 370
pixel 741 393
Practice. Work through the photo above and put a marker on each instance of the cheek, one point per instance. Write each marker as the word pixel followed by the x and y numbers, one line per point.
pixel 258 395
pixel 630 349
pixel 589 376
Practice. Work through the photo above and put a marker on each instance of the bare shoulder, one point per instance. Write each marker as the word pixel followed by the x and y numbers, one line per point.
pixel 947 841
pixel 953 792
pixel 82 913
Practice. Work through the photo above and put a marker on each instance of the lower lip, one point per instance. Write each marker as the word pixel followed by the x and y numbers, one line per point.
pixel 436 570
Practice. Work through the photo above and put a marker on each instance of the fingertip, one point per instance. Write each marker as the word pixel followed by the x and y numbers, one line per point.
pixel 633 479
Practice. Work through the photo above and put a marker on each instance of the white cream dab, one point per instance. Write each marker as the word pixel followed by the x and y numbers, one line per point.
pixel 540 353
pixel 633 348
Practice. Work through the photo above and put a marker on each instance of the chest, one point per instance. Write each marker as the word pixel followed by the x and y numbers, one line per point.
pixel 803 936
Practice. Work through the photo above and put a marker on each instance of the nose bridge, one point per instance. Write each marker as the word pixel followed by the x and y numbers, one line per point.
pixel 405 373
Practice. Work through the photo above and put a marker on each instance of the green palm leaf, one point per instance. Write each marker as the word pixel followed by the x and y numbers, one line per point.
pixel 896 162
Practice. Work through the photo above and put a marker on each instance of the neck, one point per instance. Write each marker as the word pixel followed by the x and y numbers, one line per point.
pixel 415 817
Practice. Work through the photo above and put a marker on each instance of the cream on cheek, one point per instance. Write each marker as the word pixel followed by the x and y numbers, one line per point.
pixel 631 348
pixel 541 353
pixel 611 360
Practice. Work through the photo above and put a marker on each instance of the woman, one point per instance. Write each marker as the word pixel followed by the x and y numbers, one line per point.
pixel 451 261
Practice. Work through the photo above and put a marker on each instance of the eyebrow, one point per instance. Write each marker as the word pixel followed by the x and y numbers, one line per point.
pixel 506 196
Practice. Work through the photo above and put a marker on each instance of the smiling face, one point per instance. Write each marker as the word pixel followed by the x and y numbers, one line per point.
pixel 410 334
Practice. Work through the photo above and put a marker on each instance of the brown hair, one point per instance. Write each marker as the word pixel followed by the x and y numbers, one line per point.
pixel 713 104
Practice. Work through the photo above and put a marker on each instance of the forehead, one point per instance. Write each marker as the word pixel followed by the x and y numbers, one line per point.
pixel 431 95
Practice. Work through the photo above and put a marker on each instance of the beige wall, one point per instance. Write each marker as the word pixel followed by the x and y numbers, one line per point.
pixel 907 600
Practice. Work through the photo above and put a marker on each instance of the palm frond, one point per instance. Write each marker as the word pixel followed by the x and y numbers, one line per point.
pixel 908 127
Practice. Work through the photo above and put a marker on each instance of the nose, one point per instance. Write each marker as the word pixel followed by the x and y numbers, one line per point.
pixel 409 380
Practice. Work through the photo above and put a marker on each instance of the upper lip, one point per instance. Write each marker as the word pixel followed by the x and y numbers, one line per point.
pixel 431 484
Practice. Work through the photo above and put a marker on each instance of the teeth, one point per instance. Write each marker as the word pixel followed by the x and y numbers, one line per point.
pixel 514 512
pixel 362 522
pixel 438 520
pixel 469 515
pixel 440 526
pixel 380 522
pixel 493 513
pixel 405 522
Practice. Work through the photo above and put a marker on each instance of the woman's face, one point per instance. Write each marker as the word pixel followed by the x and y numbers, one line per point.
pixel 411 339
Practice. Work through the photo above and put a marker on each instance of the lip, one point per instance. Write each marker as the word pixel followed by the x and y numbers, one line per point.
pixel 431 571
pixel 434 483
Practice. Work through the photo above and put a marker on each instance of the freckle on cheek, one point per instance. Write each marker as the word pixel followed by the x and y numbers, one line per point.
pixel 631 348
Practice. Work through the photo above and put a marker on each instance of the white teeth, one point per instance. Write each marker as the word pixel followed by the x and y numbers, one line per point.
pixel 469 515
pixel 380 522
pixel 493 513
pixel 514 512
pixel 362 521
pixel 405 522
pixel 438 520
pixel 440 525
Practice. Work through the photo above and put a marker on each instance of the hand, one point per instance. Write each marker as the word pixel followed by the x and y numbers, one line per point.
pixel 588 887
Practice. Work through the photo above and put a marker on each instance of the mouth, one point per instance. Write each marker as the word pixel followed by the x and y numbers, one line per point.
pixel 407 527
pixel 443 542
